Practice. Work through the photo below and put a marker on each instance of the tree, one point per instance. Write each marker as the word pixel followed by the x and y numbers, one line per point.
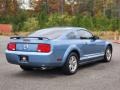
pixel 8 7
pixel 72 3
pixel 62 2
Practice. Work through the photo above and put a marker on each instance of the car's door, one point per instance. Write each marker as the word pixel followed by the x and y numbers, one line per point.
pixel 87 45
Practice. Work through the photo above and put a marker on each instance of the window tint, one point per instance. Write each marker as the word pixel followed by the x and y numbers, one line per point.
pixel 71 35
pixel 84 34
pixel 48 33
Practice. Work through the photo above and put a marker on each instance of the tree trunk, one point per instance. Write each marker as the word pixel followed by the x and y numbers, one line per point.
pixel 62 6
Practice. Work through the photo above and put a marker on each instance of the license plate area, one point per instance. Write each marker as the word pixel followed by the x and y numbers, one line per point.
pixel 24 58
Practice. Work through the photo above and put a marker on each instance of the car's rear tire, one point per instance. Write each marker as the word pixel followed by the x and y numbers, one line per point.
pixel 108 54
pixel 26 68
pixel 71 64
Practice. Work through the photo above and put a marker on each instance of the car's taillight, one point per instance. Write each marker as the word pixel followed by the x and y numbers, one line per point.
pixel 11 46
pixel 45 48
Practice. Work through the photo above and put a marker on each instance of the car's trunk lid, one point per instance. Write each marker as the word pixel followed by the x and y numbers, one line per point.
pixel 28 44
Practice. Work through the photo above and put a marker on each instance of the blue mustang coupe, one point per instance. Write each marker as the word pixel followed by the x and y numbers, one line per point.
pixel 66 47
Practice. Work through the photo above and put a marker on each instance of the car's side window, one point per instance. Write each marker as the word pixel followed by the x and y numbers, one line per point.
pixel 71 35
pixel 83 34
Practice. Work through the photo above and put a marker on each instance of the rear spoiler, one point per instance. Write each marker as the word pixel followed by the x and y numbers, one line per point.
pixel 39 38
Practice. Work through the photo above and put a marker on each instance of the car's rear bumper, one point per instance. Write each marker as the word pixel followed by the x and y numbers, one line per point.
pixel 35 59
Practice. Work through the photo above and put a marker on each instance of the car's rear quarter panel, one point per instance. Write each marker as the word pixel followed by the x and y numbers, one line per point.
pixel 62 48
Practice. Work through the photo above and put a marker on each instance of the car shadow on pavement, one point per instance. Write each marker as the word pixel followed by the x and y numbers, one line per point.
pixel 53 73
pixel 50 73
pixel 97 65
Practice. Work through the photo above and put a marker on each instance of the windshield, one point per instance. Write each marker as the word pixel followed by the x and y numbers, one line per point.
pixel 48 33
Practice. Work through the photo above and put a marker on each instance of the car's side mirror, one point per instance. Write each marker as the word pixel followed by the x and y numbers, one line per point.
pixel 95 37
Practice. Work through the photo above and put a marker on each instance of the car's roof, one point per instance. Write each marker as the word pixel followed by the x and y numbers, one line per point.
pixel 64 28
pixel 55 32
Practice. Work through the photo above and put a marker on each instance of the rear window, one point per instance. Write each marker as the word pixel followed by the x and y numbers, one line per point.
pixel 48 33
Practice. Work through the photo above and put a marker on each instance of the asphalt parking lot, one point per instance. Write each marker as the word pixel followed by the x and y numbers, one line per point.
pixel 96 76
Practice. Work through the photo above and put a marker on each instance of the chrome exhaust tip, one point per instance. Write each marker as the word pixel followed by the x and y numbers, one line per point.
pixel 43 68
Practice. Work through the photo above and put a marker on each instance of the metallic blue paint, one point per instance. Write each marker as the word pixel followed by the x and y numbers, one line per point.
pixel 87 49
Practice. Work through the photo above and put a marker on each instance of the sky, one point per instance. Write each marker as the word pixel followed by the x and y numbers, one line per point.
pixel 25 4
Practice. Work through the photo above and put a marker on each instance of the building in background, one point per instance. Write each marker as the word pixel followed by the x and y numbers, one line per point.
pixel 5 28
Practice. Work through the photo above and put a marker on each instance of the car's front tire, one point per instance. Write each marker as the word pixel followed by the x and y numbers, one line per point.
pixel 108 54
pixel 71 65
pixel 26 68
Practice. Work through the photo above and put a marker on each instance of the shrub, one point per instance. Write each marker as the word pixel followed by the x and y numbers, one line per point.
pixel 23 21
pixel 30 25
pixel 18 20
pixel 43 19
pixel 59 20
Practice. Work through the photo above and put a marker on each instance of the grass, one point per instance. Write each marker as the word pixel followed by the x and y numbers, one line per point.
pixel 108 35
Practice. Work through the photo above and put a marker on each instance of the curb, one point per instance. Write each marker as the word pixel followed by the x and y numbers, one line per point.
pixel 118 42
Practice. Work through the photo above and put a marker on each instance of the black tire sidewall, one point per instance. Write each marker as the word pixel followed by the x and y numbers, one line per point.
pixel 66 65
pixel 105 57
